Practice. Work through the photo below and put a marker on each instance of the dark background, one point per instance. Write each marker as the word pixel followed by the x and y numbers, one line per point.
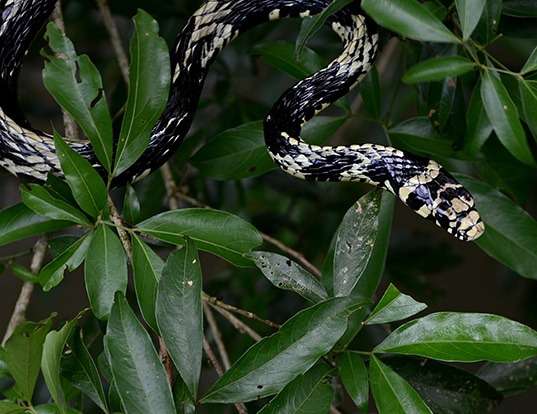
pixel 423 261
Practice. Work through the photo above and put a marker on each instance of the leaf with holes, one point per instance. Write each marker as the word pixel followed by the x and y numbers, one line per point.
pixel 269 365
pixel 286 274
pixel 76 85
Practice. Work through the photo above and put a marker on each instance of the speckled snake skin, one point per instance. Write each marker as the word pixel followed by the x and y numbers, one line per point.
pixel 421 184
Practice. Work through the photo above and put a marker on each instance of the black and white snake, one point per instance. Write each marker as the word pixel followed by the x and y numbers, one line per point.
pixel 421 184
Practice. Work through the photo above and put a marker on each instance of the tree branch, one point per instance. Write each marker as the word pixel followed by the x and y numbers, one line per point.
pixel 217 336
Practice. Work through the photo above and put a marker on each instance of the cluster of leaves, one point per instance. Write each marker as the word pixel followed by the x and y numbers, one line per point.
pixel 298 365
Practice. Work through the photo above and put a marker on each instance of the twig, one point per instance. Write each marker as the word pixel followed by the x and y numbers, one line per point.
pixel 171 188
pixel 241 409
pixel 70 126
pixel 238 324
pixel 25 295
pixel 115 39
pixel 166 360
pixel 217 336
pixel 118 222
pixel 250 315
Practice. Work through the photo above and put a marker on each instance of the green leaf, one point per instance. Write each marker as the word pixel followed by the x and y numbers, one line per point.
pixel 131 206
pixel 86 184
pixel 353 374
pixel 470 12
pixel 76 85
pixel 22 353
pixel 393 395
pixel 70 259
pixel 105 270
pixel 269 365
pixel 510 379
pixel 446 389
pixel 438 69
pixel 50 363
pixel 355 242
pixel 147 268
pixel 520 8
pixel 531 63
pixel 53 409
pixel 490 21
pixel 286 274
pixel 479 127
pixel 528 97
pixel 307 394
pixel 179 312
pixel 138 373
pixel 511 233
pixel 241 152
pixel 8 407
pixel 409 18
pixel 149 86
pixel 371 93
pixel 313 25
pixel 503 114
pixel 81 371
pixel 462 337
pixel 182 398
pixel 394 306
pixel 40 201
pixel 19 222
pixel 281 55
pixel 218 232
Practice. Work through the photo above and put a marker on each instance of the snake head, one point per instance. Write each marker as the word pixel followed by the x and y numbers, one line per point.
pixel 437 196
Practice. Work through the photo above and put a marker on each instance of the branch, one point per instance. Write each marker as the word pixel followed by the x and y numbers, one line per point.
pixel 217 336
pixel 25 295
pixel 241 409
pixel 238 324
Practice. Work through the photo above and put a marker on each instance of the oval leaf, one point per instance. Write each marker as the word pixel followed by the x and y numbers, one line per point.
pixel 179 312
pixel 353 374
pixel 470 12
pixel 76 85
pixel 463 337
pixel 410 19
pixel 308 393
pixel 394 306
pixel 86 184
pixel 511 233
pixel 218 232
pixel 19 222
pixel 268 366
pixel 149 86
pixel 392 393
pixel 138 373
pixel 504 116
pixel 438 69
pixel 286 274
pixel 147 268
pixel 105 270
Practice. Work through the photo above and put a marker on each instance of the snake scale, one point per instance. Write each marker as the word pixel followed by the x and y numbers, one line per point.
pixel 423 185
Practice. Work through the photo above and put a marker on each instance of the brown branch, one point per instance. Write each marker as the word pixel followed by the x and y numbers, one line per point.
pixel 238 324
pixel 19 312
pixel 171 187
pixel 118 222
pixel 115 39
pixel 217 336
pixel 241 409
pixel 250 315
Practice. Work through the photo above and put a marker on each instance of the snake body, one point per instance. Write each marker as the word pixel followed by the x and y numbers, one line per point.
pixel 421 184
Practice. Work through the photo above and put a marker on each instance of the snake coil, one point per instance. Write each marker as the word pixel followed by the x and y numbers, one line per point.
pixel 421 184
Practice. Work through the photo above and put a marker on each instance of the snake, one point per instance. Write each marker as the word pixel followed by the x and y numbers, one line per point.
pixel 422 184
